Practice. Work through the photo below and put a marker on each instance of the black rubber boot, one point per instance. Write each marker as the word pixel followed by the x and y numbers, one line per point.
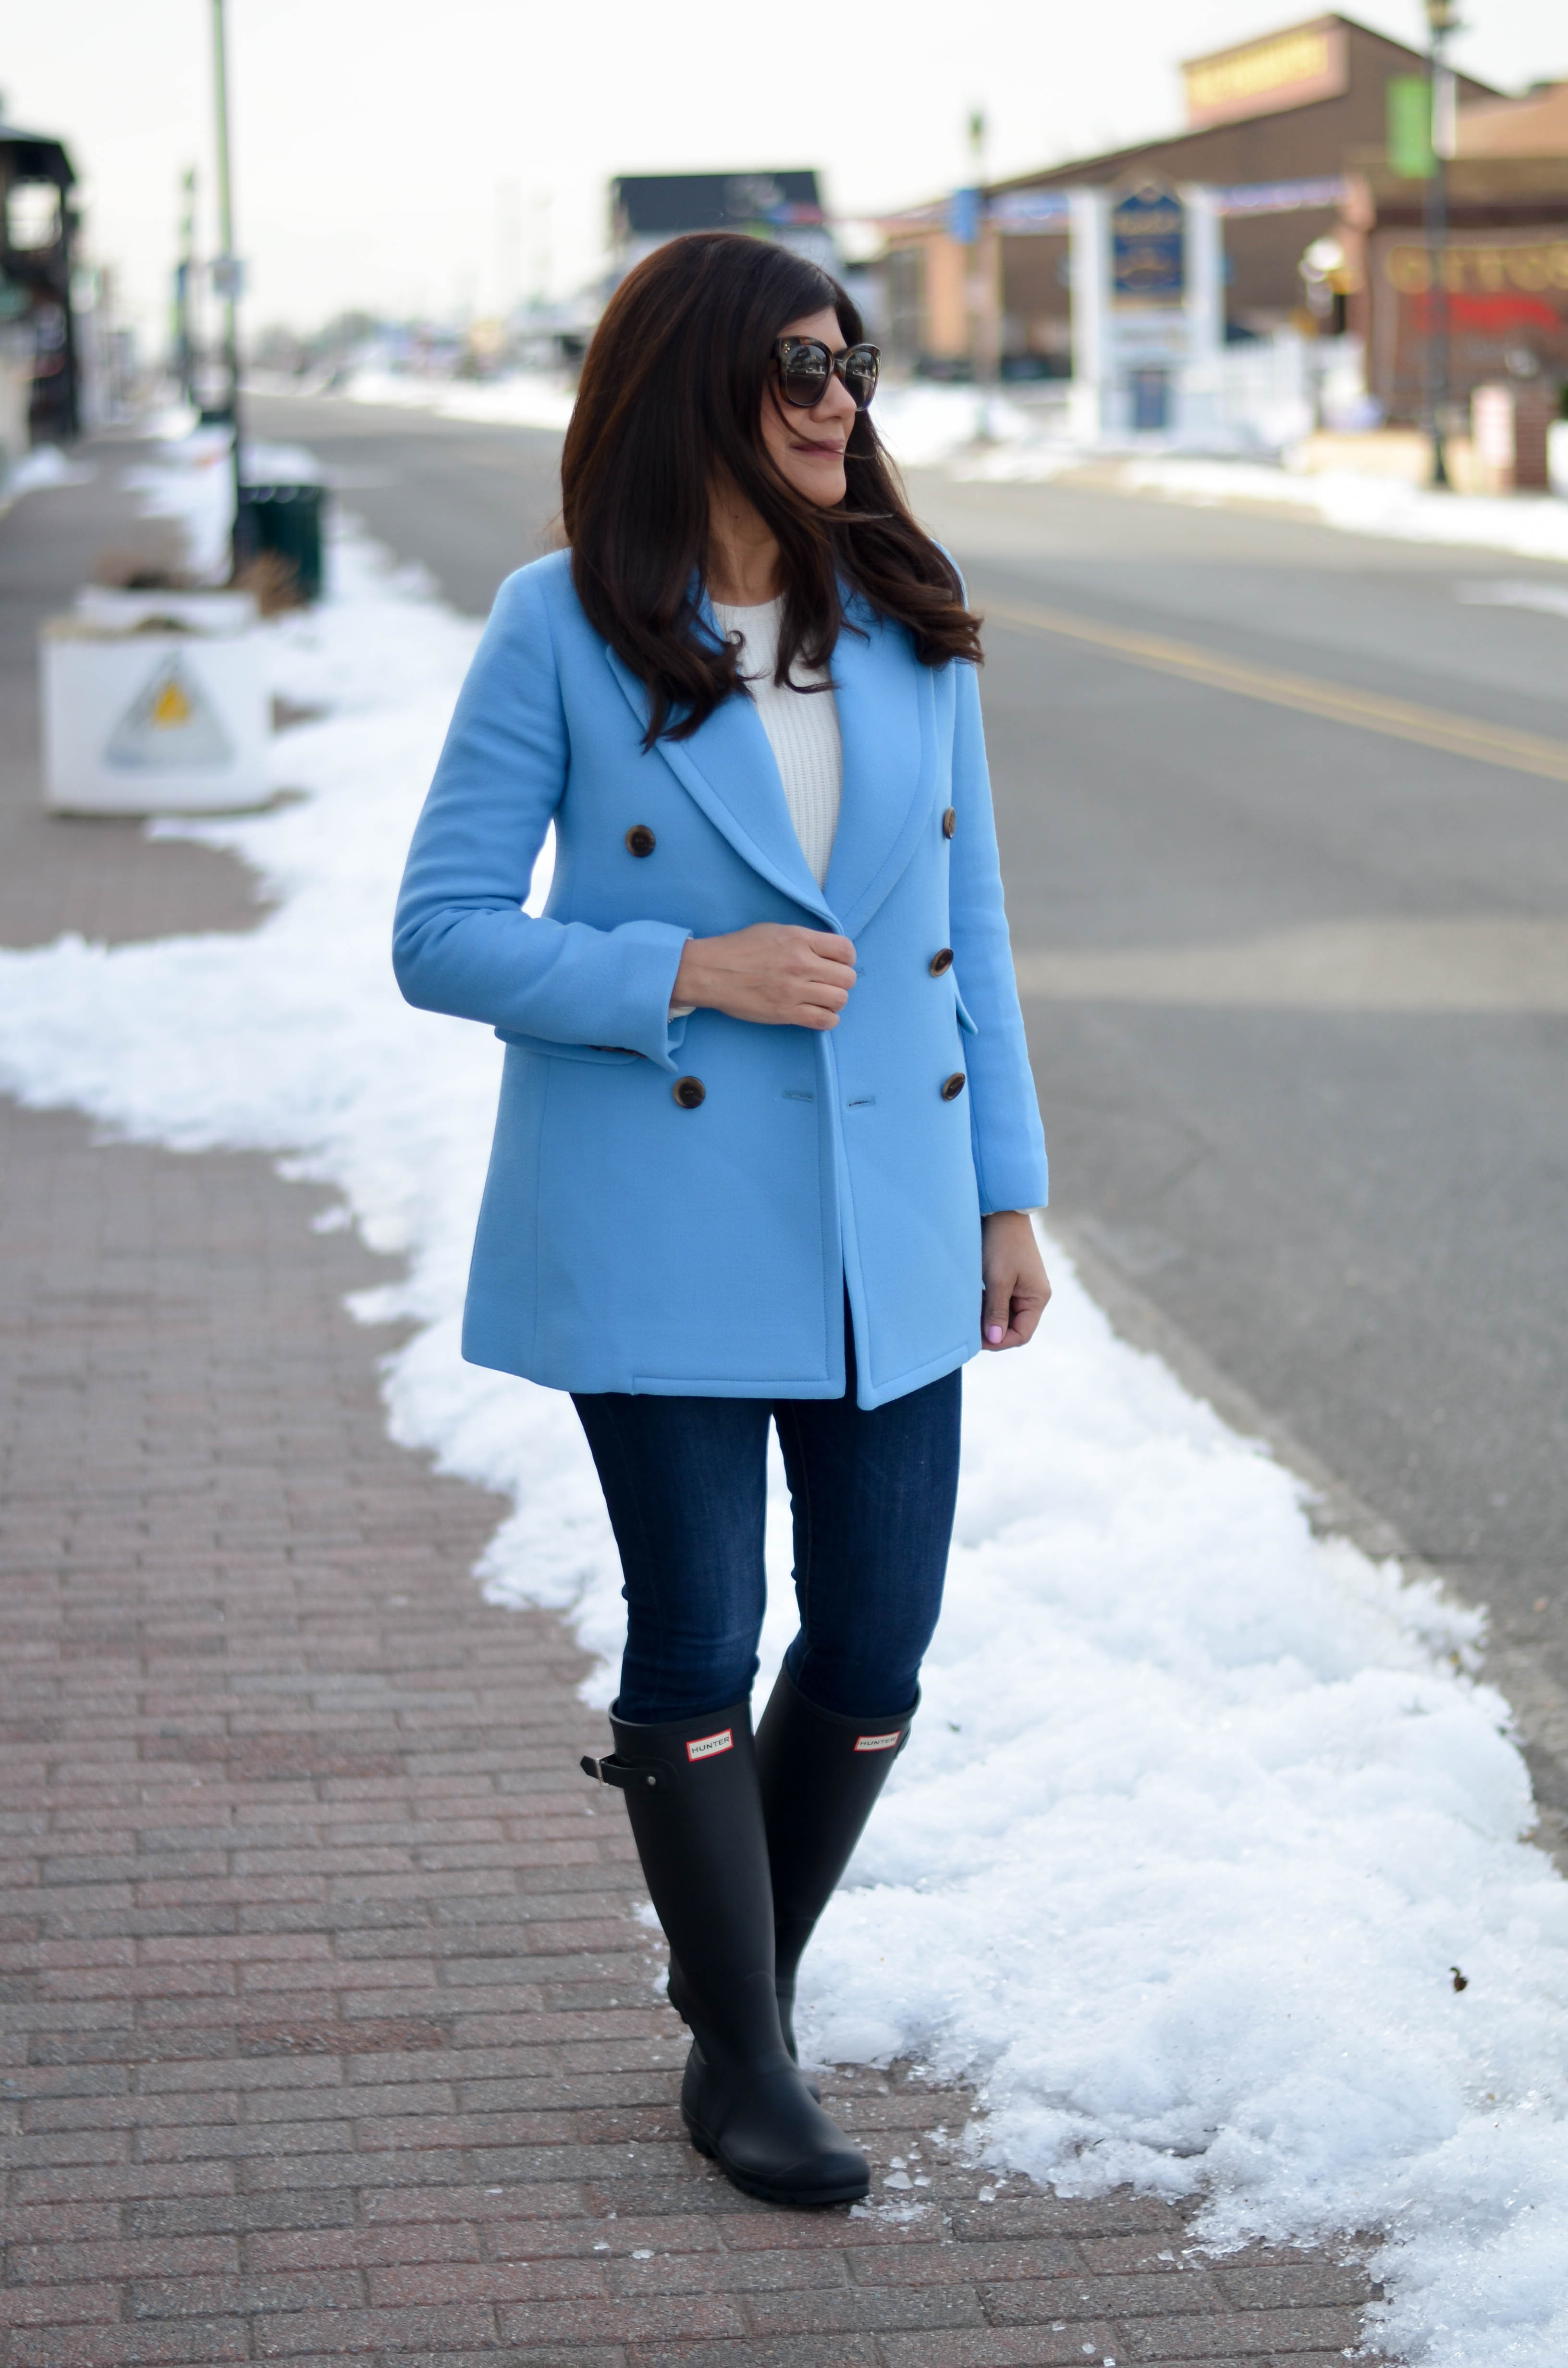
pixel 692 1793
pixel 820 1778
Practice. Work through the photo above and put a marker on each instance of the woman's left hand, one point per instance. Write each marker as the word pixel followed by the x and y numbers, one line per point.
pixel 1017 1287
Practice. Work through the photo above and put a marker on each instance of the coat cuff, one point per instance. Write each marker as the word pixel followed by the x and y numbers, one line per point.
pixel 651 951
pixel 1025 1185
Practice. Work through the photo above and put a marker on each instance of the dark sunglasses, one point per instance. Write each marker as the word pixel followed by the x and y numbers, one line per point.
pixel 806 366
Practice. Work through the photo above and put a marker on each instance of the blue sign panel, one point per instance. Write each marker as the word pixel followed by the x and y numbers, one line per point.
pixel 963 216
pixel 1147 257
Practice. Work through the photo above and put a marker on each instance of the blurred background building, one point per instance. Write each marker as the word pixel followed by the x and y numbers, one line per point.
pixel 646 209
pixel 38 347
pixel 1504 309
pixel 1272 126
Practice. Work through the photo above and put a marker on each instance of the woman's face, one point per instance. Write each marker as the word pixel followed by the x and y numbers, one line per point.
pixel 807 447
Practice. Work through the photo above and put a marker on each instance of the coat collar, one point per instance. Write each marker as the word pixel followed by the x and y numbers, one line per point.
pixel 887 724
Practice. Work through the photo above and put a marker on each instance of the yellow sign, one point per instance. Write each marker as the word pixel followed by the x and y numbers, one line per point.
pixel 172 706
pixel 170 721
pixel 1287 70
pixel 1481 271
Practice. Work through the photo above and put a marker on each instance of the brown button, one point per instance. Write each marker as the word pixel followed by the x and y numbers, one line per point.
pixel 950 822
pixel 939 962
pixel 953 1087
pixel 641 839
pixel 690 1092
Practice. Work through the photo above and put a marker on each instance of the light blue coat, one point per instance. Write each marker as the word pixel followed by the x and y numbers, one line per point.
pixel 626 1242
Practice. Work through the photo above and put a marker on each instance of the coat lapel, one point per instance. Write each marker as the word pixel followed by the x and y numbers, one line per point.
pixel 729 768
pixel 887 724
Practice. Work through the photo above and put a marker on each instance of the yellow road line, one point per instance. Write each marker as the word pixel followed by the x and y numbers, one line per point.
pixel 1430 727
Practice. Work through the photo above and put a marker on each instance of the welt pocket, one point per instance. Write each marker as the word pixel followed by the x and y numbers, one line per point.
pixel 604 1056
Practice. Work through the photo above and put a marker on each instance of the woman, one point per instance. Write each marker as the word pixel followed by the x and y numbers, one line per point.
pixel 756 1156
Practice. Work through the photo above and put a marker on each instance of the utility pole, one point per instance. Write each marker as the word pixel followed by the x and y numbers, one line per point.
pixel 1441 20
pixel 980 268
pixel 183 356
pixel 226 269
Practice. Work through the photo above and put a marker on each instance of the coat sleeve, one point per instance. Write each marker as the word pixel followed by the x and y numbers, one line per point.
pixel 461 942
pixel 1005 1128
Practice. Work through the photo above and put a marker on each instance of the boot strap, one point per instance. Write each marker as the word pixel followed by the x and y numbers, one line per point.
pixel 624 1773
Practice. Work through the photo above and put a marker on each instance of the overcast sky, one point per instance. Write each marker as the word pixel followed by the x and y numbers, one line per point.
pixel 437 158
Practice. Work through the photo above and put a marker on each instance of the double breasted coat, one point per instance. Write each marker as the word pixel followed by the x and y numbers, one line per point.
pixel 678 1206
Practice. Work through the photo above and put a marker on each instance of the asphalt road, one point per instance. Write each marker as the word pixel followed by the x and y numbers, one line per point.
pixel 1295 961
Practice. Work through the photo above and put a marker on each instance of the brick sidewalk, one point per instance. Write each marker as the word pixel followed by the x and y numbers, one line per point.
pixel 328 2029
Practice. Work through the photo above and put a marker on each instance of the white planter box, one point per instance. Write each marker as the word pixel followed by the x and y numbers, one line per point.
pixel 140 720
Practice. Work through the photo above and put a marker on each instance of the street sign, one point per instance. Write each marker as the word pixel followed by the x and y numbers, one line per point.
pixel 1147 246
pixel 963 216
pixel 171 721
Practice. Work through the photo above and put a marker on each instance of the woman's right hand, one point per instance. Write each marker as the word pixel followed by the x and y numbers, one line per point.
pixel 775 973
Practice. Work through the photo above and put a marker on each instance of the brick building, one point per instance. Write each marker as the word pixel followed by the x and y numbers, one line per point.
pixel 1503 311
pixel 1296 107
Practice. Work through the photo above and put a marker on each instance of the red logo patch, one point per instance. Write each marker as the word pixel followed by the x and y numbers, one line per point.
pixel 706 1745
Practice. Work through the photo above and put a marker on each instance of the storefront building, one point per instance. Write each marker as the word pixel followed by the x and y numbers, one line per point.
pixel 1497 294
pixel 38 332
pixel 1274 127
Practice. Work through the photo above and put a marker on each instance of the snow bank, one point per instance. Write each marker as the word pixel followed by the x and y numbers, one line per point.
pixel 1201 1813
pixel 44 467
pixel 1502 592
pixel 1535 526
pixel 924 425
pixel 188 479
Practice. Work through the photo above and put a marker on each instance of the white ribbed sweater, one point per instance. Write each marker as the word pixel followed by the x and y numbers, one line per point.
pixel 803 728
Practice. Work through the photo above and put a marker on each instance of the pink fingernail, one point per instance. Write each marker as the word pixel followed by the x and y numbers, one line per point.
pixel 993 1333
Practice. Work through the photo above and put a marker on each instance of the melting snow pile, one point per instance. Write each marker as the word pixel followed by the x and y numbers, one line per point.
pixel 1201 1813
pixel 1535 526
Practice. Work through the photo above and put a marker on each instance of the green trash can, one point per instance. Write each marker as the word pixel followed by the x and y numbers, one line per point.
pixel 285 519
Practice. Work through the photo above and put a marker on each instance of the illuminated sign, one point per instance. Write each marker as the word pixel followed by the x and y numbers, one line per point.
pixel 1287 70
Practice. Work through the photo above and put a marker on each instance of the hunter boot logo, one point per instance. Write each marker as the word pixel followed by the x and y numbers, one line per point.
pixel 879 1742
pixel 708 1746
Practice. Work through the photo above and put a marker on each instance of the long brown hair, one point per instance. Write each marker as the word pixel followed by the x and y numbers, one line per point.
pixel 673 386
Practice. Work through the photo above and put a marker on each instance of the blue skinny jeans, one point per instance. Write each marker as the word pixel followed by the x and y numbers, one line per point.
pixel 873 1493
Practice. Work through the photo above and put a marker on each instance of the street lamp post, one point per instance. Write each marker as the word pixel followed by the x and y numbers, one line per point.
pixel 980 270
pixel 1441 20
pixel 226 270
pixel 184 356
